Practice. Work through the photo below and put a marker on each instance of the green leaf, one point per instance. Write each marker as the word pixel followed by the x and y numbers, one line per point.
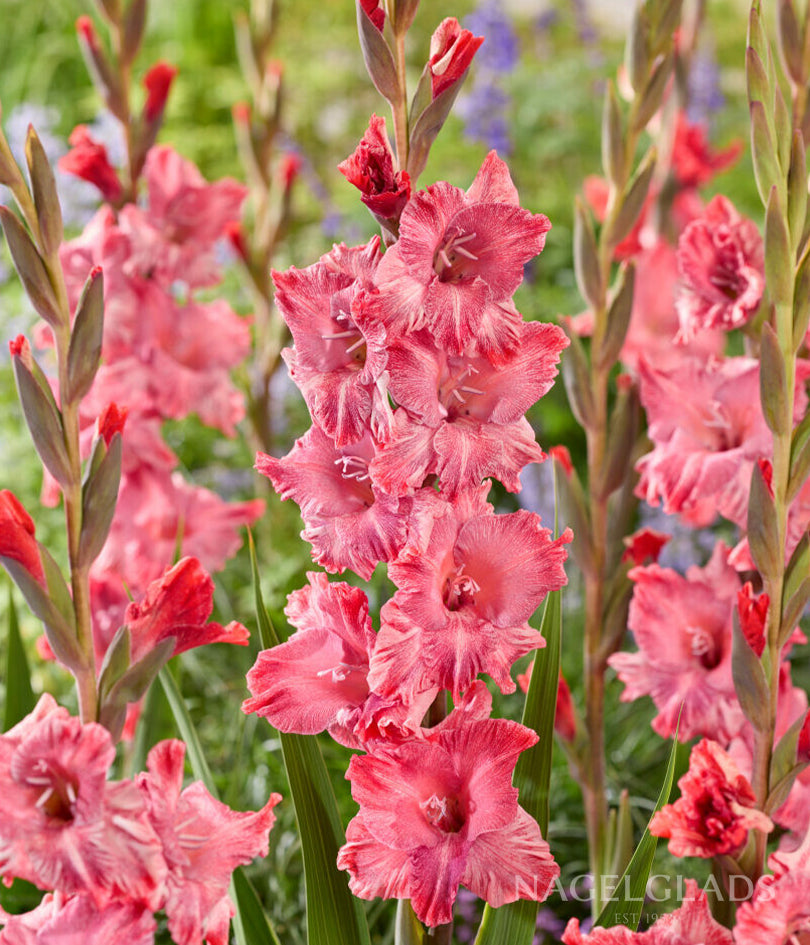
pixel 188 733
pixel 250 924
pixel 633 882
pixel 515 922
pixel 19 694
pixel 334 916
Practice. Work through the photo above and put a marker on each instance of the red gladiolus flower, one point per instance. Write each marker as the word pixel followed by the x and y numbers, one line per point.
pixel 157 82
pixel 644 546
pixel 451 52
pixel 371 170
pixel 178 605
pixel 716 808
pixel 88 160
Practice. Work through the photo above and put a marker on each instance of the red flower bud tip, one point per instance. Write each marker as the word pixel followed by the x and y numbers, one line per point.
pixel 374 12
pixel 803 746
pixel 111 421
pixel 236 237
pixel 289 169
pixel 88 160
pixel 644 544
pixel 766 468
pixel 241 113
pixel 624 382
pixel 451 52
pixel 753 614
pixel 563 457
pixel 17 532
pixel 157 82
pixel 275 69
pixel 565 722
pixel 20 348
pixel 87 31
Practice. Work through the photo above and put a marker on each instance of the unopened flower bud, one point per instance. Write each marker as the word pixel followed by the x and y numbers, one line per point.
pixel 451 52
pixel 88 160
pixel 157 82
pixel 111 421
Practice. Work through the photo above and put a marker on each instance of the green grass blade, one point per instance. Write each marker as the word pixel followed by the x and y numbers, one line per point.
pixel 515 923
pixel 250 924
pixel 629 895
pixel 334 916
pixel 19 694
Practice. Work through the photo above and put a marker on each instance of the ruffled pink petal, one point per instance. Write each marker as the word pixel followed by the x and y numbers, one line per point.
pixel 511 863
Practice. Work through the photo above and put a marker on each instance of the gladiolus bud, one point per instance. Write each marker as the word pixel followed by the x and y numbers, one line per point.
pixel 451 52
pixel 111 421
pixel 157 82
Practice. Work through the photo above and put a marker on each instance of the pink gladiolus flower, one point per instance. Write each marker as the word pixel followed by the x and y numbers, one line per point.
pixel 349 522
pixel 682 627
pixel 691 924
pixel 77 920
pixel 720 259
pixel 17 531
pixel 88 160
pixel 464 601
pixel 654 322
pixel 371 170
pixel 339 357
pixel 441 811
pixel 451 51
pixel 459 260
pixel 708 429
pixel 203 842
pixel 63 826
pixel 179 605
pixel 716 809
pixel 462 417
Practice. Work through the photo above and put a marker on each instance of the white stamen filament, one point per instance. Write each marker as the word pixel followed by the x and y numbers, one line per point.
pixel 46 795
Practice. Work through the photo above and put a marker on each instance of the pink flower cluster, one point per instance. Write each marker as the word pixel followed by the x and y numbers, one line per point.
pixel 165 355
pixel 115 852
pixel 417 370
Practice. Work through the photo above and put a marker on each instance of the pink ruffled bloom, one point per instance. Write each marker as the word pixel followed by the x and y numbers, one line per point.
pixel 721 262
pixel 339 358
pixel 461 417
pixel 682 627
pixel 691 924
pixel 77 920
pixel 707 428
pixel 318 678
pixel 694 161
pixel 203 842
pixel 349 522
pixel 440 811
pixel 63 826
pixel 459 260
pixel 716 809
pixel 463 603
pixel 654 324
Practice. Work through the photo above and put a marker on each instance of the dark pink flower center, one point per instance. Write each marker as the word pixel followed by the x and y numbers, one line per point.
pixel 57 791
pixel 459 589
pixel 706 647
pixel 443 812
pixel 456 389
pixel 451 261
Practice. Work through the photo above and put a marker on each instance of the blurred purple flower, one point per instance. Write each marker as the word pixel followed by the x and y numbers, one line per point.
pixel 485 107
pixel 705 95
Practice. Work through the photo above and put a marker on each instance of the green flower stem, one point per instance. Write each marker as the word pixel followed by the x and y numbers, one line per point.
pixel 79 571
pixel 400 107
